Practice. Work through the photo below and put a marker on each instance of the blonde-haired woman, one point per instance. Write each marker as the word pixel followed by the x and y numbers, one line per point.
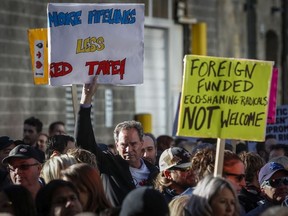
pixel 176 206
pixel 52 168
pixel 213 196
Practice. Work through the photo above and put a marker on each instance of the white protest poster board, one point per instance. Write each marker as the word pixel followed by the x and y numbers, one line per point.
pixel 85 40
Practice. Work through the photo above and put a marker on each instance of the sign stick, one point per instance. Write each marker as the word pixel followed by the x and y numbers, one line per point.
pixel 75 105
pixel 234 144
pixel 219 157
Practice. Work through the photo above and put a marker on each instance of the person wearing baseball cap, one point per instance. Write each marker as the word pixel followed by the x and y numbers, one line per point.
pixel 273 180
pixel 176 175
pixel 6 145
pixel 24 166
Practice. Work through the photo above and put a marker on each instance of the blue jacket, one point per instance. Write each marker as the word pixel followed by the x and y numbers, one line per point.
pixel 260 209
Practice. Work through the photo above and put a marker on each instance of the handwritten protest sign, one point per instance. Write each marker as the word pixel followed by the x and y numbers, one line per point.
pixel 224 98
pixel 280 128
pixel 85 40
pixel 39 55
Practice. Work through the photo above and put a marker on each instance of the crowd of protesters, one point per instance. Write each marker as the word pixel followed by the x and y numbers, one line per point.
pixel 55 174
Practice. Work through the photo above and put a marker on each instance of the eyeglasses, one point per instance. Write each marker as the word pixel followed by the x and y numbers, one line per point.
pixel 275 182
pixel 239 177
pixel 22 167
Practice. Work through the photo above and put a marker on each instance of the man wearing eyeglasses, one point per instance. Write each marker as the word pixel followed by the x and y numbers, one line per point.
pixel 24 167
pixel 176 176
pixel 273 180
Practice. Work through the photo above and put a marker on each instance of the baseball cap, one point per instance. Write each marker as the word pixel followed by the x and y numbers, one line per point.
pixel 22 151
pixel 174 157
pixel 268 170
pixel 5 141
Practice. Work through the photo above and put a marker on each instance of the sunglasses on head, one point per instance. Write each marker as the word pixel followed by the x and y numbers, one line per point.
pixel 276 182
pixel 239 177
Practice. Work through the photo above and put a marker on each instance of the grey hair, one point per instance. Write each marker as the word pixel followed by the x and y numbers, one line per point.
pixel 127 125
pixel 206 189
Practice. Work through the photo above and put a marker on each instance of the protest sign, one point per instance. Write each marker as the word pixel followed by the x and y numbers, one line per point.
pixel 224 98
pixel 39 55
pixel 280 128
pixel 85 40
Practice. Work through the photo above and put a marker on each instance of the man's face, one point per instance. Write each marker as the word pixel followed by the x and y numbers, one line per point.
pixel 183 177
pixel 5 152
pixel 235 174
pixel 130 146
pixel 24 172
pixel 30 134
pixel 276 190
pixel 42 142
pixel 149 150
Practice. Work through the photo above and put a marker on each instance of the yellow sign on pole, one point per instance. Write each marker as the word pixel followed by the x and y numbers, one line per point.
pixel 39 55
pixel 224 98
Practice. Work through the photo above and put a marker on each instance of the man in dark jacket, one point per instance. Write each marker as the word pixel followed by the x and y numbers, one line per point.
pixel 273 179
pixel 123 172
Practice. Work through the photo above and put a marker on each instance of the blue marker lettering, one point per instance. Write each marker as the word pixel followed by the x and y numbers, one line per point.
pixel 61 18
pixel 112 16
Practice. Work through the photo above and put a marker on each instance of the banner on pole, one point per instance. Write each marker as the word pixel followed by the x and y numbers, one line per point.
pixel 224 98
pixel 39 55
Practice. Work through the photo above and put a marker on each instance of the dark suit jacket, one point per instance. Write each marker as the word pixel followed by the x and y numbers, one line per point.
pixel 115 173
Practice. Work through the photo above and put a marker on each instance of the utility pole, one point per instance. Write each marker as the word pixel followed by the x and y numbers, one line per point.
pixel 251 29
pixel 284 52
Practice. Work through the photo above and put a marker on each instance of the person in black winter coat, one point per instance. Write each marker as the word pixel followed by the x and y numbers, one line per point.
pixel 120 173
